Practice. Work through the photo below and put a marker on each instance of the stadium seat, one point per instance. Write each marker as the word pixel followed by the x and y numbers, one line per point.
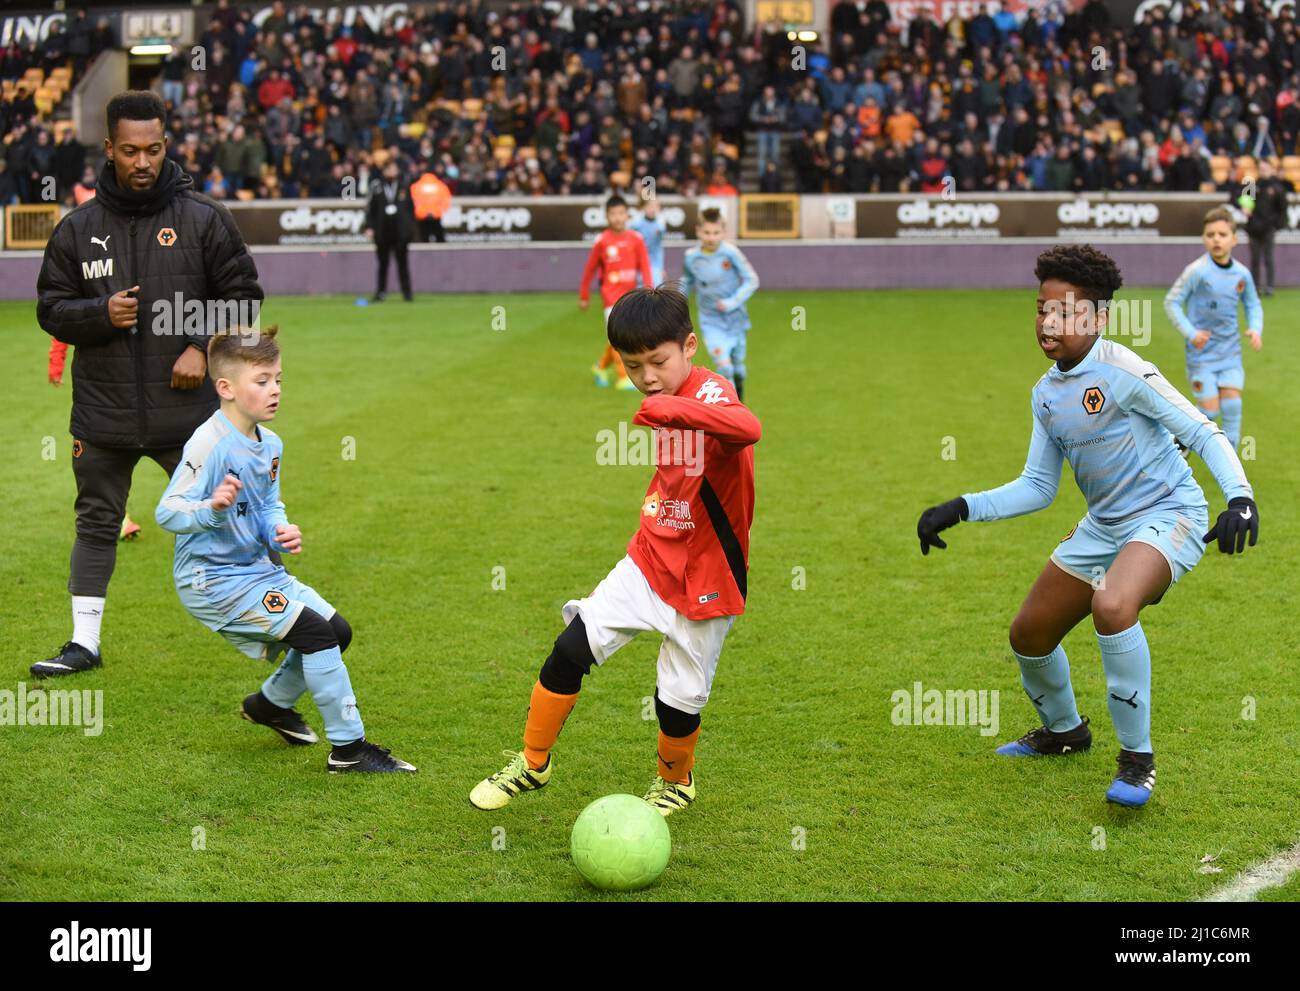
pixel 1245 167
pixel 1291 169
pixel 620 179
pixel 526 153
pixel 505 141
pixel 503 155
pixel 243 195
pixel 471 108
pixel 1115 128
pixel 1220 168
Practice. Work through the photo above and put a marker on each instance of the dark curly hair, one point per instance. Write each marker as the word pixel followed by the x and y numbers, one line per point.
pixel 1092 272
pixel 134 104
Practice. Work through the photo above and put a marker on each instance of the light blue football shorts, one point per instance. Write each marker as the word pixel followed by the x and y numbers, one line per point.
pixel 1088 550
pixel 254 610
pixel 1206 382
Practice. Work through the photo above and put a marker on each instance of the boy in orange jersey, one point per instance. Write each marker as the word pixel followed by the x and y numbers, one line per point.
pixel 685 572
pixel 618 255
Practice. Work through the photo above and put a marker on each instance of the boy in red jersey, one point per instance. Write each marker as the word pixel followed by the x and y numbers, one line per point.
pixel 696 512
pixel 618 255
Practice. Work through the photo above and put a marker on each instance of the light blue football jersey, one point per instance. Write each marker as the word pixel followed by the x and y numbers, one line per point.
pixel 235 542
pixel 1113 416
pixel 1205 297
pixel 722 276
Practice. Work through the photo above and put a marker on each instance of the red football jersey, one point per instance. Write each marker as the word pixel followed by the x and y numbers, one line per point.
pixel 693 544
pixel 618 258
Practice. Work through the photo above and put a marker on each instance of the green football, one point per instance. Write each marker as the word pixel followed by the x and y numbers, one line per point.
pixel 620 843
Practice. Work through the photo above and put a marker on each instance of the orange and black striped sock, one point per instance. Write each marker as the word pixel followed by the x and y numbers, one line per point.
pixel 546 715
pixel 677 756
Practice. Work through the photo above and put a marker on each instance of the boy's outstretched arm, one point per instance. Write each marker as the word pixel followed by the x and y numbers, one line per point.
pixel 186 507
pixel 748 285
pixel 729 422
pixel 1033 490
pixel 1152 395
pixel 1254 313
pixel 1176 301
pixel 589 270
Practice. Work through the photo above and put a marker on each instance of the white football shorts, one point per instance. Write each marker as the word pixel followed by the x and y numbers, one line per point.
pixel 624 604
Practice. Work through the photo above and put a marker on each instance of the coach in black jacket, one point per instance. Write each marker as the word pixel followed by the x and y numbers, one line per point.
pixel 1264 220
pixel 117 275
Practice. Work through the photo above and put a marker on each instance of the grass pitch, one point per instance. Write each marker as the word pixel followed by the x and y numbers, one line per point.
pixel 428 454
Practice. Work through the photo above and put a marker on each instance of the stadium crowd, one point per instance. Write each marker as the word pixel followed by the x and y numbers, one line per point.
pixel 578 97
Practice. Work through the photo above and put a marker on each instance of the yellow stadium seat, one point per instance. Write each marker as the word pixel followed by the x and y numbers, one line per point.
pixel 1291 170
pixel 505 141
pixel 1220 168
pixel 527 153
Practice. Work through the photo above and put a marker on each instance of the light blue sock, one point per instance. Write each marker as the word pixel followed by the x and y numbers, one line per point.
pixel 331 690
pixel 1232 419
pixel 1047 683
pixel 286 684
pixel 1126 659
pixel 1214 415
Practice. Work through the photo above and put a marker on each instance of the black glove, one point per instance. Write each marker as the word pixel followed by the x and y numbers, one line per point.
pixel 1241 517
pixel 938 518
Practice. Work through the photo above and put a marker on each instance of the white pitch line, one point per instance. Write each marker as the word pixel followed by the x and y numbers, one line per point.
pixel 1271 873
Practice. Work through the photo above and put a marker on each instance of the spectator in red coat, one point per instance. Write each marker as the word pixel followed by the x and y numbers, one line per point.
pixel 273 89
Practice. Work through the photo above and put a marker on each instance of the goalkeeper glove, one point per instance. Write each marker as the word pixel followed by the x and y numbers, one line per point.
pixel 1240 518
pixel 938 518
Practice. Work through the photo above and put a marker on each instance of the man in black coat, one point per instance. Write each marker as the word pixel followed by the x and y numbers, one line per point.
pixel 390 215
pixel 1264 220
pixel 130 279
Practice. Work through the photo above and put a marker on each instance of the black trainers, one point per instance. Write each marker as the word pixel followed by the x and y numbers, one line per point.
pixel 1135 779
pixel 1042 742
pixel 257 708
pixel 71 658
pixel 364 756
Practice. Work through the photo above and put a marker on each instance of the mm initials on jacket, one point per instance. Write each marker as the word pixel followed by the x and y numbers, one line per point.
pixel 97 269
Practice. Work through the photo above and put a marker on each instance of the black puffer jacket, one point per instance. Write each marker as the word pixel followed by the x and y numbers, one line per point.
pixel 169 240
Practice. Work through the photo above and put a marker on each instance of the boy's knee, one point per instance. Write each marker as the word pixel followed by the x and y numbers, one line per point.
pixel 342 631
pixel 311 633
pixel 1112 612
pixel 1026 640
pixel 570 660
pixel 675 722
